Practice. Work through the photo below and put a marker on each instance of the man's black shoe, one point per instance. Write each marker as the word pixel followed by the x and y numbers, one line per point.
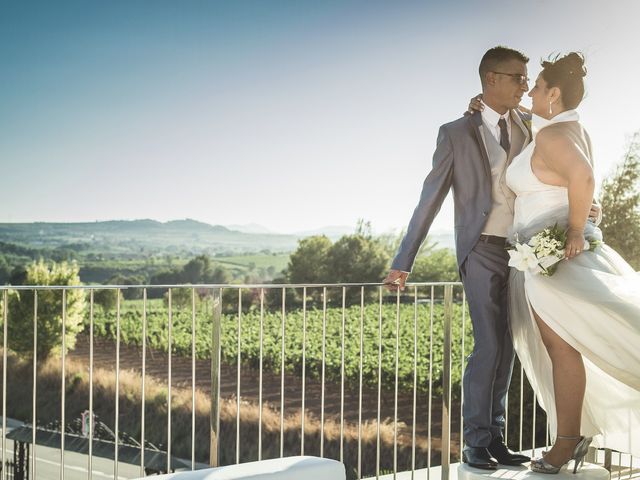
pixel 478 457
pixel 503 455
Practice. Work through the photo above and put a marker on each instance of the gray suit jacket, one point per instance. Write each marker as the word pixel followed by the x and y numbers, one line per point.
pixel 459 162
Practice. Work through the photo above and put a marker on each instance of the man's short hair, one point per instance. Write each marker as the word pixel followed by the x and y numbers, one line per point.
pixel 496 56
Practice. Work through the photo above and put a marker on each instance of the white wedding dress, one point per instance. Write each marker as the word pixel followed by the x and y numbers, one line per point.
pixel 592 301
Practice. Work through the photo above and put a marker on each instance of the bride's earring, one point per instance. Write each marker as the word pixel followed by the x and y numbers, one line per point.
pixel 550 110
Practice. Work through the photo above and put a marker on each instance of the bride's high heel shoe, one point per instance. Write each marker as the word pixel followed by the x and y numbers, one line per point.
pixel 540 465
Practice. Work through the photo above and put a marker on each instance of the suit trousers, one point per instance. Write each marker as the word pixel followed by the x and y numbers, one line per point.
pixel 487 375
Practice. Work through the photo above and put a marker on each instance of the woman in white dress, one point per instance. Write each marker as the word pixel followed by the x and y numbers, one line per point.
pixel 577 332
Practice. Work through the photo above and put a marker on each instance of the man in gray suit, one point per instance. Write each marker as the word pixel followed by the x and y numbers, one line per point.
pixel 472 155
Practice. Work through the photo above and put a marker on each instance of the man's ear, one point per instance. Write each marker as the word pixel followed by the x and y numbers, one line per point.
pixel 490 79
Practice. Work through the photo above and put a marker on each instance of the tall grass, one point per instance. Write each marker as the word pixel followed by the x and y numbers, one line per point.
pixel 19 400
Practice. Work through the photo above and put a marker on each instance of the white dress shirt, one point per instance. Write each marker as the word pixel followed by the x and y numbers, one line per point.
pixel 491 118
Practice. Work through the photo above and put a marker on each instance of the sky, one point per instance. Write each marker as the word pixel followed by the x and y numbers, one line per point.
pixel 293 115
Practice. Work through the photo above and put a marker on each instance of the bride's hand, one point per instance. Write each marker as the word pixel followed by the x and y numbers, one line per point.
pixel 575 243
pixel 475 104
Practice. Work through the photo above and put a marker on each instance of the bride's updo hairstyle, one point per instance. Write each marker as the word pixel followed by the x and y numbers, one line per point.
pixel 567 74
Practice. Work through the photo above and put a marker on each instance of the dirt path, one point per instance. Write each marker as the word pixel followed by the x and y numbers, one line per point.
pixel 156 367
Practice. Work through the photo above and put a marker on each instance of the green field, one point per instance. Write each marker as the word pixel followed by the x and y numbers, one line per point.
pixel 249 324
pixel 276 260
pixel 99 270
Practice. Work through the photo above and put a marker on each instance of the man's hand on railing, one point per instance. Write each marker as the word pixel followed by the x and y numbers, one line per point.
pixel 395 279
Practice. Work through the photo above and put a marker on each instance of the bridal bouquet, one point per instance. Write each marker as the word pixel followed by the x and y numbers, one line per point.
pixel 543 252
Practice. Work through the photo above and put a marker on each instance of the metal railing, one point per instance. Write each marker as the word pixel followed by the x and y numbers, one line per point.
pixel 240 311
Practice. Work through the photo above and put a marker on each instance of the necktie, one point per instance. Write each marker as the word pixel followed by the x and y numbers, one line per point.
pixel 504 135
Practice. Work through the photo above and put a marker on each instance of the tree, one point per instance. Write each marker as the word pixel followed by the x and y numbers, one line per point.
pixel 356 259
pixel 391 243
pixel 129 293
pixel 50 309
pixel 18 275
pixel 181 298
pixel 620 200
pixel 196 270
pixel 107 298
pixel 165 277
pixel 308 263
pixel 5 270
pixel 437 265
pixel 364 228
pixel 219 275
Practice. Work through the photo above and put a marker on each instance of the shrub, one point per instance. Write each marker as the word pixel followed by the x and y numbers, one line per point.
pixel 49 309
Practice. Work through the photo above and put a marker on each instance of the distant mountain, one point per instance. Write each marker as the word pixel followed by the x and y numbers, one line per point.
pixel 189 224
pixel 333 232
pixel 250 228
pixel 122 236
pixel 145 236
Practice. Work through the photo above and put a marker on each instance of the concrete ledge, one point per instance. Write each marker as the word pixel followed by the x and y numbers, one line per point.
pixel 588 471
pixel 460 471
pixel 287 468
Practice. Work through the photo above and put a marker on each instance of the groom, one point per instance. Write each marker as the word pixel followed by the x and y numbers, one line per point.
pixel 472 155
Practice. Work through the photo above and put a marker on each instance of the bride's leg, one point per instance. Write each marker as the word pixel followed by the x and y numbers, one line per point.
pixel 568 386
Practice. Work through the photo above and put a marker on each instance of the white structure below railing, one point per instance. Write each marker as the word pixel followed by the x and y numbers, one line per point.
pixel 287 468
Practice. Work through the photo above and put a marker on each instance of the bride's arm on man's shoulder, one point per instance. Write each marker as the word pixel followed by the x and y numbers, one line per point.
pixel 562 156
pixel 475 105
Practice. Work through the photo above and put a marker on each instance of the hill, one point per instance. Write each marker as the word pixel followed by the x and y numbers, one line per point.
pixel 136 236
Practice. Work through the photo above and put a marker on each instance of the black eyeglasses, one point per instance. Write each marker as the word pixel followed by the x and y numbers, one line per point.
pixel 521 79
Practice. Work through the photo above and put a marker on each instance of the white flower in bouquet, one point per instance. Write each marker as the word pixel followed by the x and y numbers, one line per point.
pixel 523 257
pixel 543 251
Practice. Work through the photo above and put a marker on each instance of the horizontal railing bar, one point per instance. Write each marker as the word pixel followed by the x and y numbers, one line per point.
pixel 215 285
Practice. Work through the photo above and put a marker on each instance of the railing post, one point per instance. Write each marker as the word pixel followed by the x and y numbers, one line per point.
pixel 607 459
pixel 446 382
pixel 5 308
pixel 214 416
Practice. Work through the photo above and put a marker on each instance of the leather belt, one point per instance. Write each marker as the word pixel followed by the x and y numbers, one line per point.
pixel 494 240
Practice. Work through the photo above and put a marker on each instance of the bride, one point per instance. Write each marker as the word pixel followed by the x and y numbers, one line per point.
pixel 577 332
